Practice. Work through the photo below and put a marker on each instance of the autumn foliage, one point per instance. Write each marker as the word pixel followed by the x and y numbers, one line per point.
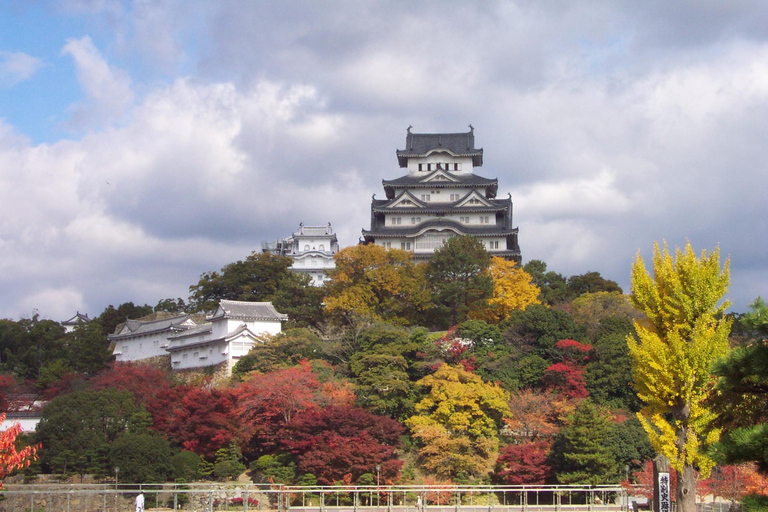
pixel 12 459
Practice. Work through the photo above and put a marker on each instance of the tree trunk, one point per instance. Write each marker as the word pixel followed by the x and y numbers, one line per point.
pixel 686 490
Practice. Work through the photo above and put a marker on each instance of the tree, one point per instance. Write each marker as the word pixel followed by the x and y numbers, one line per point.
pixel 197 419
pixel 335 441
pixel 567 376
pixel 113 316
pixel 30 345
pixel 535 416
pixel 591 282
pixel 284 350
pixel 228 464
pixel 513 289
pixel 145 382
pixel 459 277
pixel 84 423
pixel 591 310
pixel 87 348
pixel 266 403
pixel 370 281
pixel 581 454
pixel 675 346
pixel 457 422
pixel 553 286
pixel 261 277
pixel 609 372
pixel 141 458
pixel 524 464
pixel 538 328
pixel 12 458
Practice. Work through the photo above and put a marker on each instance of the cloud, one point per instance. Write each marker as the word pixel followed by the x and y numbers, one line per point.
pixel 107 91
pixel 612 126
pixel 17 67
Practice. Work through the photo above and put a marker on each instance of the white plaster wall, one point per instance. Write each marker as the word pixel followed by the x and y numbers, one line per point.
pixel 434 158
pixel 27 424
pixel 142 347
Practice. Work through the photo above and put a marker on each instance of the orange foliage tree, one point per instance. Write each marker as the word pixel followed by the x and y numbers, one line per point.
pixel 12 459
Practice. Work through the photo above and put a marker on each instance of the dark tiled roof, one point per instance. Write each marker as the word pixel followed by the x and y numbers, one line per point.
pixel 141 327
pixel 78 318
pixel 459 144
pixel 247 310
pixel 430 207
pixel 461 180
pixel 195 331
pixel 410 231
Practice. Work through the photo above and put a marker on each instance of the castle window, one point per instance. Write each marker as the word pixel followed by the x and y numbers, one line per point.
pixel 415 220
pixel 454 197
pixel 306 247
pixel 395 221
pixel 425 197
pixel 464 220
pixel 493 244
pixel 421 167
pixel 406 246
pixel 484 220
pixel 322 247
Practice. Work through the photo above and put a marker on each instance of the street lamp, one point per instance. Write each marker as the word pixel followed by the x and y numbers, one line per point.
pixel 117 470
pixel 378 484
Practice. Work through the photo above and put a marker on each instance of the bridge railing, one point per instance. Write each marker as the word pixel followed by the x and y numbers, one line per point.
pixel 253 497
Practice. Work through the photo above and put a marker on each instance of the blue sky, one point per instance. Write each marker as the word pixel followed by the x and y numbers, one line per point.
pixel 144 143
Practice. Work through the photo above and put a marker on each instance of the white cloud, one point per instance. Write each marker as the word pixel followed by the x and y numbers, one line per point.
pixel 17 67
pixel 107 91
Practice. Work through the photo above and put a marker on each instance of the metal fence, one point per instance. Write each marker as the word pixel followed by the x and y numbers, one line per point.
pixel 254 497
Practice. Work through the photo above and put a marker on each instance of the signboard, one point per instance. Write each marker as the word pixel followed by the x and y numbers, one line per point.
pixel 664 498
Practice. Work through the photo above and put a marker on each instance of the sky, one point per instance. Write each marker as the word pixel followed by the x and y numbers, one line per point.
pixel 144 143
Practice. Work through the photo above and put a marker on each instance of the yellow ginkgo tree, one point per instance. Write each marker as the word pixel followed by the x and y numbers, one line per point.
pixel 457 423
pixel 683 333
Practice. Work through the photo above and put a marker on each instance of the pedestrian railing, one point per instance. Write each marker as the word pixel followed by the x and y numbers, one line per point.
pixel 209 497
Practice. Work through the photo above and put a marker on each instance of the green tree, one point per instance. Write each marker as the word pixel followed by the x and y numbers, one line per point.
pixel 591 282
pixel 281 351
pixel 260 278
pixel 141 458
pixel 460 280
pixel 683 334
pixel 185 466
pixel 278 469
pixel 742 393
pixel 113 316
pixel 457 423
pixel 87 348
pixel 228 464
pixel 609 372
pixel 374 283
pixel 581 453
pixel 31 344
pixel 553 286
pixel 85 423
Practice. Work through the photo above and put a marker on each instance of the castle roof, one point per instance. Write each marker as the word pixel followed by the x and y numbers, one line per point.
pixel 242 310
pixel 451 180
pixel 456 144
pixel 133 328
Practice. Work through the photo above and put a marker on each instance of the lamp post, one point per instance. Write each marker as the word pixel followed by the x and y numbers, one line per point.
pixel 378 484
pixel 117 471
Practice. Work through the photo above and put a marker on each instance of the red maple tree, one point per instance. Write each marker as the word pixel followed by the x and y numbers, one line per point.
pixel 524 464
pixel 12 459
pixel 337 440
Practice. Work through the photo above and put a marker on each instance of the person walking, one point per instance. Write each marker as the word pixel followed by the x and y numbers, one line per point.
pixel 140 502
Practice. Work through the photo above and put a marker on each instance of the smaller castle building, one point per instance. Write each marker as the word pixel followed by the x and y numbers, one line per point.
pixel 311 248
